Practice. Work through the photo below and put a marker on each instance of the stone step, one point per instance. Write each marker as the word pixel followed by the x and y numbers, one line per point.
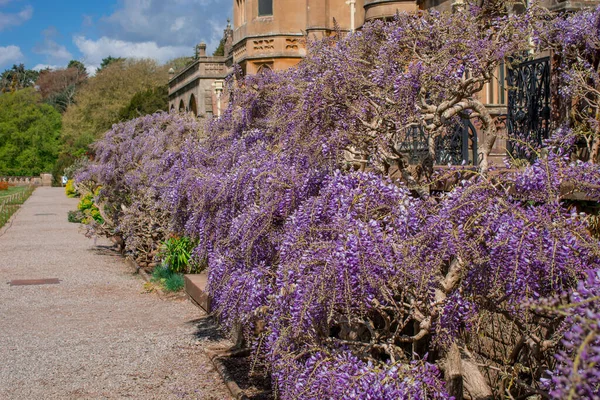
pixel 195 288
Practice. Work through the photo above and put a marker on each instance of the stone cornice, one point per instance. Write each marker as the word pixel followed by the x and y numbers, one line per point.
pixel 265 35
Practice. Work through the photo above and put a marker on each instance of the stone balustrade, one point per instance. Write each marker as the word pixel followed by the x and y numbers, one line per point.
pixel 42 180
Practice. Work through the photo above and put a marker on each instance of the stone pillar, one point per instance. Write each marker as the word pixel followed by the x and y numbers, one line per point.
pixel 201 50
pixel 46 179
pixel 218 86
pixel 352 4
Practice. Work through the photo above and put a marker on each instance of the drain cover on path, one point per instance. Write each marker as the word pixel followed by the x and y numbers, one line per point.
pixel 31 282
pixel 38 215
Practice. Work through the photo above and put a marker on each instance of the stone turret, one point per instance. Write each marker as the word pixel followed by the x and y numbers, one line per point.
pixel 228 34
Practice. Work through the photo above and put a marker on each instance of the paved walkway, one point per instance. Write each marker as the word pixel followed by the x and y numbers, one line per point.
pixel 95 335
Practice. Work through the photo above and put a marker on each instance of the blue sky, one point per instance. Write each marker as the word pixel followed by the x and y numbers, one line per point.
pixel 41 33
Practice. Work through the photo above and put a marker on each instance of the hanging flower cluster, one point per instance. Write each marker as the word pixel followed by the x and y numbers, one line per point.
pixel 346 284
pixel 576 373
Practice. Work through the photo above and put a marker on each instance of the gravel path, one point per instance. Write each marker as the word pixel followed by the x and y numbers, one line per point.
pixel 95 335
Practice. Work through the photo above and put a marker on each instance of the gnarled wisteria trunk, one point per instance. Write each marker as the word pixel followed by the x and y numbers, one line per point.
pixel 345 284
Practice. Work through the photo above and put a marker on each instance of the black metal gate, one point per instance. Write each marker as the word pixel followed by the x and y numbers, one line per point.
pixel 452 147
pixel 528 119
pixel 415 145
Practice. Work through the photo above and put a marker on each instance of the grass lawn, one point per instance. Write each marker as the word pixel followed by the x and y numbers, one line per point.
pixel 12 190
pixel 9 204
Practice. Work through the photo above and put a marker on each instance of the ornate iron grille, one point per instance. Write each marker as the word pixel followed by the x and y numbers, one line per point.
pixel 450 148
pixel 528 119
pixel 415 145
pixel 453 146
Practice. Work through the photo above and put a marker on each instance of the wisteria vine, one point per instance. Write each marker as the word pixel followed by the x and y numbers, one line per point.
pixel 347 284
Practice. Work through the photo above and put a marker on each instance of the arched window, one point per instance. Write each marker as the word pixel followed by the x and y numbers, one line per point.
pixel 264 69
pixel 193 106
pixel 265 7
pixel 181 106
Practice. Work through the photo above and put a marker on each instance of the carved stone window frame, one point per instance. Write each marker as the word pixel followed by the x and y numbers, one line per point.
pixel 265 12
pixel 265 67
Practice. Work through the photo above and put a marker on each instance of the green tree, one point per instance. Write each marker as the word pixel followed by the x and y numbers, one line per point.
pixel 100 100
pixel 146 102
pixel 178 64
pixel 108 61
pixel 58 87
pixel 77 64
pixel 29 134
pixel 220 51
pixel 17 78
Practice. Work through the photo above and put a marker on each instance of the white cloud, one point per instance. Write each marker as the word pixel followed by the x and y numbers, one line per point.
pixel 54 52
pixel 8 19
pixel 41 67
pixel 91 70
pixel 178 24
pixel 10 54
pixel 216 34
pixel 57 52
pixel 95 50
pixel 168 23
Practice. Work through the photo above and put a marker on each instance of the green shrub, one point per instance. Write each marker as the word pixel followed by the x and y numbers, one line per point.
pixel 167 279
pixel 174 283
pixel 176 254
pixel 70 189
pixel 88 207
pixel 86 202
pixel 160 272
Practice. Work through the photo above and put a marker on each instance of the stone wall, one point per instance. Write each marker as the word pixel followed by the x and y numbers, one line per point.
pixel 42 180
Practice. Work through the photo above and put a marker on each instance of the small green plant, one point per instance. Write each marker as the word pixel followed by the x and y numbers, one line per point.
pixel 70 189
pixel 11 199
pixel 176 254
pixel 86 202
pixel 89 208
pixel 174 283
pixel 170 281
pixel 159 273
pixel 76 216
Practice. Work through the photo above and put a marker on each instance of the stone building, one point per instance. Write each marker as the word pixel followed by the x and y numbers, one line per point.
pixel 270 35
pixel 193 88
